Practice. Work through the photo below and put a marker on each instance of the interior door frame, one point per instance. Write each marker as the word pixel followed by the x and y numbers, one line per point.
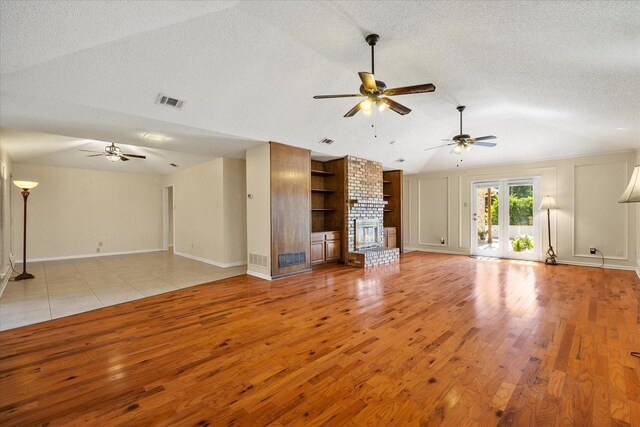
pixel 503 219
pixel 165 217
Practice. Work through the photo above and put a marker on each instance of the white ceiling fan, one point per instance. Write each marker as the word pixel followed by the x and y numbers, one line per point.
pixel 113 153
pixel 465 142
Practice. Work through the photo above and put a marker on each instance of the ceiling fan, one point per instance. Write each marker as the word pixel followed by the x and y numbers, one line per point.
pixel 464 141
pixel 374 90
pixel 113 153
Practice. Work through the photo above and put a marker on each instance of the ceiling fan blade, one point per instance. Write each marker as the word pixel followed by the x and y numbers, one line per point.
pixel 92 151
pixel 337 96
pixel 484 138
pixel 393 105
pixel 485 144
pixel 134 155
pixel 439 146
pixel 406 90
pixel 353 111
pixel 123 158
pixel 95 155
pixel 368 81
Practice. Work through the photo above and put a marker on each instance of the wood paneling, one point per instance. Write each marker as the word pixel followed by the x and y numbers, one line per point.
pixel 392 192
pixel 436 340
pixel 290 206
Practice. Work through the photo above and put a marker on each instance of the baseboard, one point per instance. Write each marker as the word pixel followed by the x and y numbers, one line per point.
pixel 209 261
pixel 439 251
pixel 258 275
pixel 596 265
pixel 59 258
pixel 637 272
pixel 5 279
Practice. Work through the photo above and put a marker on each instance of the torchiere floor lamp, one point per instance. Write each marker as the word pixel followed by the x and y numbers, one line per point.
pixel 549 203
pixel 25 186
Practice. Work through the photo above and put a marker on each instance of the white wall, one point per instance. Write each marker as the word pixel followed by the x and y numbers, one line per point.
pixel 210 211
pixel 72 210
pixel 638 223
pixel 586 190
pixel 235 208
pixel 6 168
pixel 259 211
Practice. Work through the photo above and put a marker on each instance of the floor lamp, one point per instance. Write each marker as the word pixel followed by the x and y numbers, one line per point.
pixel 632 195
pixel 549 203
pixel 25 186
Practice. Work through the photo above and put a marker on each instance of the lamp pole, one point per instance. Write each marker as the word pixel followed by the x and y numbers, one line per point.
pixel 25 186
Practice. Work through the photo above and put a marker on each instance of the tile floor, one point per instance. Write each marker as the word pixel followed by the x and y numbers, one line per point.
pixel 63 288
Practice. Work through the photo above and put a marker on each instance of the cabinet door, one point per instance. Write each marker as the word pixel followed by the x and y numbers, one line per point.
pixel 333 250
pixel 385 239
pixel 317 252
pixel 391 241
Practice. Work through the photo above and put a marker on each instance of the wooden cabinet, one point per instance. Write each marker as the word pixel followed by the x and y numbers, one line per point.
pixel 325 247
pixel 389 240
pixel 392 192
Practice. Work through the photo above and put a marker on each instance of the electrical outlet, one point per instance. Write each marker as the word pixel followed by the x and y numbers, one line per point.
pixel 592 250
pixel 100 244
pixel 442 241
pixel 97 249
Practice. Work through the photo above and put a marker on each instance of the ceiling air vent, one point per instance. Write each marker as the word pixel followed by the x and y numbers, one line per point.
pixel 326 141
pixel 400 160
pixel 173 164
pixel 171 102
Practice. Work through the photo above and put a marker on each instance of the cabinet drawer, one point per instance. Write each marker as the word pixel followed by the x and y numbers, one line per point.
pixel 317 237
pixel 332 235
pixel 391 231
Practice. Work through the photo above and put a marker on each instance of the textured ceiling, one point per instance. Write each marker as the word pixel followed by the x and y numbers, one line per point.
pixel 549 79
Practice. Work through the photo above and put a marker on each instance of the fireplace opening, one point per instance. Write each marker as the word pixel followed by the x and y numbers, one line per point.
pixel 367 233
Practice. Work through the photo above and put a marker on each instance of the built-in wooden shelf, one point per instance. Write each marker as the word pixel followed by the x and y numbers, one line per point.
pixel 321 173
pixel 386 210
pixel 386 182
pixel 392 195
pixel 322 210
pixel 386 195
pixel 322 190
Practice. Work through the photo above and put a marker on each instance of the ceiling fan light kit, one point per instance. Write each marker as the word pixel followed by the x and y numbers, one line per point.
pixel 376 91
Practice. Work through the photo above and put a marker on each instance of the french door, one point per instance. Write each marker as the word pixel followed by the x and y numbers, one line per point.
pixel 504 219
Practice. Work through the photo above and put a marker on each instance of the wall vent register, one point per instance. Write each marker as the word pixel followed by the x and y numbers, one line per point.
pixel 293 258
pixel 171 102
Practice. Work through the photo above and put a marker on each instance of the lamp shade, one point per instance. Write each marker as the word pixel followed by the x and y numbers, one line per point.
pixel 632 193
pixel 25 185
pixel 548 202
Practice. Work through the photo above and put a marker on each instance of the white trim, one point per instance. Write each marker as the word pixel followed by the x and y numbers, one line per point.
pixel 440 251
pixel 597 265
pixel 259 275
pixel 638 272
pixel 209 261
pixel 5 280
pixel 58 258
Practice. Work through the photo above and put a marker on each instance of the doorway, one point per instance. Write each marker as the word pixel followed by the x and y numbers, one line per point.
pixel 505 220
pixel 168 218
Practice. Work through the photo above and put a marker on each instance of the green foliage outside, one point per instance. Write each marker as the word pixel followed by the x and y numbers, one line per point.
pixel 522 243
pixel 520 206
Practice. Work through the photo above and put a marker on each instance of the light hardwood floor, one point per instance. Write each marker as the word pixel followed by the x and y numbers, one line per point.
pixel 436 340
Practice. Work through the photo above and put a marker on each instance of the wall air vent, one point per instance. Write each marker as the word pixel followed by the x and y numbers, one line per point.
pixel 326 141
pixel 171 102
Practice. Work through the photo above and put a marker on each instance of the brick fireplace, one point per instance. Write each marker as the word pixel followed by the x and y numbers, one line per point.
pixel 365 209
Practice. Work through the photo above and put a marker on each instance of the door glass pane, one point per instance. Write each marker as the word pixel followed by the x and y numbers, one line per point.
pixel 521 218
pixel 487 220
